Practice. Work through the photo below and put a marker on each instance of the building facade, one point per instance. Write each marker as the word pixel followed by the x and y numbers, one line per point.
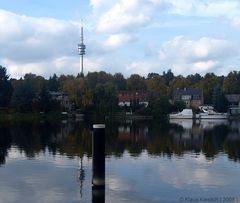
pixel 127 98
pixel 192 97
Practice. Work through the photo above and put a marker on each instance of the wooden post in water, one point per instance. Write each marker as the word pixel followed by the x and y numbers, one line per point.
pixel 98 164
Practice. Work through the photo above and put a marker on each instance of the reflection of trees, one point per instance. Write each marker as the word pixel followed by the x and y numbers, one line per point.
pixel 232 143
pixel 5 143
pixel 159 142
pixel 168 139
pixel 213 140
pixel 158 138
pixel 33 138
pixel 122 136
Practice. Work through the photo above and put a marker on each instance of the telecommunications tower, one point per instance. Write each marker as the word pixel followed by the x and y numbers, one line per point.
pixel 81 51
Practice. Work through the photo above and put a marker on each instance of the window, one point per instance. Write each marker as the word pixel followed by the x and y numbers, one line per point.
pixel 196 97
pixel 186 97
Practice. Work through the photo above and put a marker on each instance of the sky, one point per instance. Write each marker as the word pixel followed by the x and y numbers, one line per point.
pixel 127 36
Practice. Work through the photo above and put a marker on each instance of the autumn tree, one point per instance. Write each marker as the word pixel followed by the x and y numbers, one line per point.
pixel 136 82
pixel 179 82
pixel 105 99
pixel 231 84
pixel 78 91
pixel 156 85
pixel 207 84
pixel 95 78
pixel 36 81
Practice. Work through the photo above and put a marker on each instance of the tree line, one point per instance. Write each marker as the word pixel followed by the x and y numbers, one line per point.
pixel 97 91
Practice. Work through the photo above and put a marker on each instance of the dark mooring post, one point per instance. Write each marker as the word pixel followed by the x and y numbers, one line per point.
pixel 98 165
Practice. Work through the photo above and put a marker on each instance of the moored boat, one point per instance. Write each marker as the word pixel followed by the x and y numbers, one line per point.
pixel 184 114
pixel 207 112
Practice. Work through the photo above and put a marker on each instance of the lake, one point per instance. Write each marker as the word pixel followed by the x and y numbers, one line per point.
pixel 146 161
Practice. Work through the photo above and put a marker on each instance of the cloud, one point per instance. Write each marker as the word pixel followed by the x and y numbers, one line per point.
pixel 200 56
pixel 126 16
pixel 60 65
pixel 236 22
pixel 96 3
pixel 118 40
pixel 206 8
pixel 118 33
pixel 141 67
pixel 99 3
pixel 34 39
pixel 123 15
pixel 38 45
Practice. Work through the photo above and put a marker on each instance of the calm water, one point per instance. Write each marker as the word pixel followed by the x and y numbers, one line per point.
pixel 180 161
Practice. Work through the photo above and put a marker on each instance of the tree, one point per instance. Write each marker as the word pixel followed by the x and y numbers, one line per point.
pixel 101 77
pixel 36 81
pixel 178 106
pixel 119 81
pixel 231 84
pixel 78 91
pixel 168 77
pixel 219 101
pixel 105 99
pixel 152 75
pixel 159 106
pixel 5 88
pixel 207 84
pixel 136 82
pixel 194 78
pixel 44 100
pixel 157 85
pixel 53 84
pixel 179 82
pixel 23 96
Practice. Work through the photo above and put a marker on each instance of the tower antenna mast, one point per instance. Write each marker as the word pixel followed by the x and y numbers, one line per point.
pixel 81 49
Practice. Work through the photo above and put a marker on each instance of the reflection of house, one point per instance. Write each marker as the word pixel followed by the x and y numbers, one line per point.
pixel 131 133
pixel 234 103
pixel 127 98
pixel 62 98
pixel 190 96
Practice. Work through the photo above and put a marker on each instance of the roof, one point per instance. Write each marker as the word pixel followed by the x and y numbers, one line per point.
pixel 125 96
pixel 187 91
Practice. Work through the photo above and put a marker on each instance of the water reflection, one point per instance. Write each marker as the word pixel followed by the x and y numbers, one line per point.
pixel 208 136
pixel 170 158
pixel 159 139
pixel 71 139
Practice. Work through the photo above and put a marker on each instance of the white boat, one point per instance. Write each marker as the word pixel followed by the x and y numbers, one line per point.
pixel 207 112
pixel 184 114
